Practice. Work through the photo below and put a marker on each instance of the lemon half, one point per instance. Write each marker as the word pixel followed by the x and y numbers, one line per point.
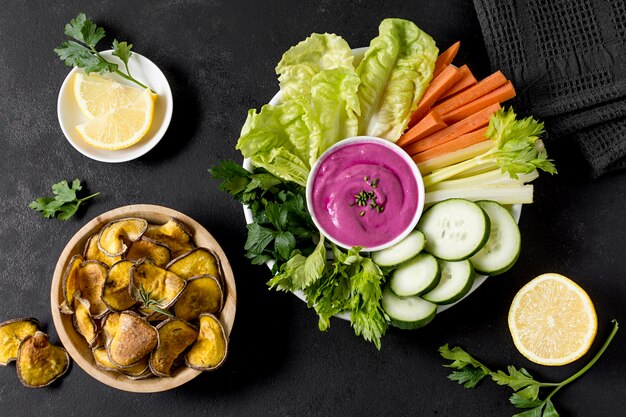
pixel 552 320
pixel 119 115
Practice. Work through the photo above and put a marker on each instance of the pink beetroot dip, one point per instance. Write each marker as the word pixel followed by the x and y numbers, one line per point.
pixel 358 173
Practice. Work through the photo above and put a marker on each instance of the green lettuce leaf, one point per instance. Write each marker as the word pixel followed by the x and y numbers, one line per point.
pixel 335 109
pixel 394 73
pixel 302 62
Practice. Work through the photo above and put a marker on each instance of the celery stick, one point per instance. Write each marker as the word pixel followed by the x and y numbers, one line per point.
pixel 455 157
pixel 495 176
pixel 503 194
pixel 475 171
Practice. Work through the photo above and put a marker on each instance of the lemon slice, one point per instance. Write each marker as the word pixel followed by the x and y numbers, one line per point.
pixel 120 127
pixel 97 95
pixel 552 320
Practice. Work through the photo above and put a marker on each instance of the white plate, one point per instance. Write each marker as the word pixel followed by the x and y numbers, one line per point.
pixel 143 70
pixel 516 211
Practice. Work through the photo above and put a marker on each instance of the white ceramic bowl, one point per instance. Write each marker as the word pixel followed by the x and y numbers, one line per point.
pixel 393 148
pixel 143 70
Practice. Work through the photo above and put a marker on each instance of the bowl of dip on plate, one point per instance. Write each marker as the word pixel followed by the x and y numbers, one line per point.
pixel 365 191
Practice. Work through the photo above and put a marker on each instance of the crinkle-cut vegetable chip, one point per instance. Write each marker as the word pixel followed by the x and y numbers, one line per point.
pixel 40 363
pixel 115 291
pixel 91 278
pixel 12 332
pixel 163 286
pixel 114 236
pixel 83 322
pixel 134 339
pixel 71 283
pixel 174 234
pixel 93 252
pixel 147 248
pixel 174 337
pixel 203 294
pixel 199 261
pixel 210 349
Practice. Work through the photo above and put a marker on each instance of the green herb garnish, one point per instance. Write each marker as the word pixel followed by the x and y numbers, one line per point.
pixel 150 303
pixel 363 198
pixel 83 54
pixel 64 204
pixel 469 372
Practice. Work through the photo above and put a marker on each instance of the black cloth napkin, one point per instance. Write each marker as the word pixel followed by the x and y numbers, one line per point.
pixel 567 61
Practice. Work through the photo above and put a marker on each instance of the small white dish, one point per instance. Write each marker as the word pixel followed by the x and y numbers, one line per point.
pixel 143 70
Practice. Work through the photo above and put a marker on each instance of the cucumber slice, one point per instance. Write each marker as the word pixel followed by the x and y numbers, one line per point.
pixel 402 251
pixel 503 247
pixel 455 229
pixel 456 281
pixel 417 276
pixel 407 312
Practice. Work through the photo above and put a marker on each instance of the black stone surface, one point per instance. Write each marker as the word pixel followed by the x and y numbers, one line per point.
pixel 219 59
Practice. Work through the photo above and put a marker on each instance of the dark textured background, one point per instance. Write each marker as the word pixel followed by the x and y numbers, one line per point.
pixel 219 59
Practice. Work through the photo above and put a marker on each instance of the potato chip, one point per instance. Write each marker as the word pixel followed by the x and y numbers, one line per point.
pixel 199 261
pixel 174 234
pixel 174 337
pixel 93 252
pixel 210 349
pixel 134 339
pixel 91 278
pixel 158 284
pixel 203 294
pixel 146 248
pixel 12 332
pixel 71 283
pixel 114 236
pixel 115 291
pixel 83 322
pixel 40 363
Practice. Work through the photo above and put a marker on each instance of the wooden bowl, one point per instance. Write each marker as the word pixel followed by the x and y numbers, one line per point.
pixel 75 343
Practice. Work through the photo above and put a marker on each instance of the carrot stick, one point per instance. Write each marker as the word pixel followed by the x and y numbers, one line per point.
pixel 469 124
pixel 498 95
pixel 461 142
pixel 439 85
pixel 467 80
pixel 484 86
pixel 445 58
pixel 427 126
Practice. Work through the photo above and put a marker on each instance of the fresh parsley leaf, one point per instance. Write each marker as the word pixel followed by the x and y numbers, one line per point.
pixel 299 271
pixel 259 238
pixel 531 392
pixel 122 51
pixel 81 52
pixel 520 402
pixel 284 244
pixel 277 215
pixel 533 412
pixel 84 30
pixel 516 379
pixel 549 410
pixel 64 204
pixel 469 377
pixel 460 358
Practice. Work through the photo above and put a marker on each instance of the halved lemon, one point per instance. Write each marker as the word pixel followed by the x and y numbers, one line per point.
pixel 552 320
pixel 122 126
pixel 97 95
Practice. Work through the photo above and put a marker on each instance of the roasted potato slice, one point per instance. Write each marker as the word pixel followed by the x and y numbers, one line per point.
pixel 115 291
pixel 174 234
pixel 40 363
pixel 110 324
pixel 210 349
pixel 102 361
pixel 146 248
pixel 198 261
pixel 71 283
pixel 174 337
pixel 12 332
pixel 158 284
pixel 134 339
pixel 93 253
pixel 140 370
pixel 203 294
pixel 91 278
pixel 114 236
pixel 83 323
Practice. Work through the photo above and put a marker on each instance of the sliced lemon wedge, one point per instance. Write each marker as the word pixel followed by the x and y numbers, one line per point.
pixel 119 115
pixel 552 320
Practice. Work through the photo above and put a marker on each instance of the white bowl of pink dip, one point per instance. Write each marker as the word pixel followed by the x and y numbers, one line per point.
pixel 365 191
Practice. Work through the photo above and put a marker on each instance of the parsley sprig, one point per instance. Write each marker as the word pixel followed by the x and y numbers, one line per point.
pixel 64 204
pixel 82 53
pixel 469 372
